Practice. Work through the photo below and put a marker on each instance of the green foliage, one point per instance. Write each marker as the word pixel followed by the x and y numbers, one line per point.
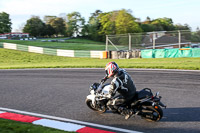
pixel 75 24
pixel 34 26
pixel 125 23
pixel 182 27
pixel 47 19
pixel 148 27
pixel 5 23
pixel 49 30
pixel 99 25
pixel 93 26
pixel 59 26
pixel 196 36
pixel 117 22
pixel 165 24
pixel 161 24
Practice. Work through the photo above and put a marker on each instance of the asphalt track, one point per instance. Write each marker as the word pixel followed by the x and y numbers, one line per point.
pixel 62 93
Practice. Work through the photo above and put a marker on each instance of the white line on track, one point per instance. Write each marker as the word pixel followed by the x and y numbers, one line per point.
pixel 69 120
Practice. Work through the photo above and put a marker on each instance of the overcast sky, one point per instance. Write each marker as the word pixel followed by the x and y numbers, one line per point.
pixel 181 11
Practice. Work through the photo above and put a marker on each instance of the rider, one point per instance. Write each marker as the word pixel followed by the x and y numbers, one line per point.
pixel 121 83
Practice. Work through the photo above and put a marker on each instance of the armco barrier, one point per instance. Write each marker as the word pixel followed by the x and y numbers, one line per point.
pixel 10 46
pixel 1 45
pixel 57 52
pixel 170 53
pixel 81 53
pixel 50 51
pixel 22 47
pixel 67 53
pixel 34 49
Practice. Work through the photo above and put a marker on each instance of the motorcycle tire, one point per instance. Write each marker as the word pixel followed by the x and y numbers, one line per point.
pixel 89 104
pixel 152 114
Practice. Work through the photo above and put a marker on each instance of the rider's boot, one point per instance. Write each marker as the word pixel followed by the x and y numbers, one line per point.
pixel 126 112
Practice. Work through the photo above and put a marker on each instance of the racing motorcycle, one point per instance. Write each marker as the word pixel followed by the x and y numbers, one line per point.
pixel 144 104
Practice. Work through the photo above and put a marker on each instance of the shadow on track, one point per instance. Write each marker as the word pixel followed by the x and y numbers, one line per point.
pixel 186 114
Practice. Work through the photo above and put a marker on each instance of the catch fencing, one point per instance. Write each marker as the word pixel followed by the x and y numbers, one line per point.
pixel 57 52
pixel 149 40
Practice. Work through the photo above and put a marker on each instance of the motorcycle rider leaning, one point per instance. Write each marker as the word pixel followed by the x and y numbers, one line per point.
pixel 121 83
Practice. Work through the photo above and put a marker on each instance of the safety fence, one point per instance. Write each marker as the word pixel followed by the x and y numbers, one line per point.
pixel 170 53
pixel 57 52
pixel 149 40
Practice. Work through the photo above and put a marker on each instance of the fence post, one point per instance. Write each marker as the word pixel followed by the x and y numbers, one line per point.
pixel 106 42
pixel 179 38
pixel 154 40
pixel 129 36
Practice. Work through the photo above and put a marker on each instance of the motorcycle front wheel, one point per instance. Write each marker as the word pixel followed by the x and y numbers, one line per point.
pixel 99 109
pixel 151 113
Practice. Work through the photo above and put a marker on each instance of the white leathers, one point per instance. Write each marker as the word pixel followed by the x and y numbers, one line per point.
pixel 118 83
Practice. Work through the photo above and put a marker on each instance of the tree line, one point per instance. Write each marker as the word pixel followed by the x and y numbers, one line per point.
pixel 98 26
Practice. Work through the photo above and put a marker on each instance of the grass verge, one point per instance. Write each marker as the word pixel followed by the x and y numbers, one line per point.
pixel 72 44
pixel 9 126
pixel 11 59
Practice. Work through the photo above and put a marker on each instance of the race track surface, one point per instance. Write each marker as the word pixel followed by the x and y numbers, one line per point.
pixel 62 93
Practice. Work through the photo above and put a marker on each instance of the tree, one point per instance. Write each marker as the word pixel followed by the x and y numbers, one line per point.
pixel 107 22
pixel 125 23
pixel 94 25
pixel 5 23
pixel 59 26
pixel 196 36
pixel 49 30
pixel 75 24
pixel 118 22
pixel 163 24
pixel 47 18
pixel 34 26
pixel 148 27
pixel 182 27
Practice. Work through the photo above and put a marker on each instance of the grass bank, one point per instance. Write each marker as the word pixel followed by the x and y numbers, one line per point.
pixel 11 59
pixel 71 44
pixel 9 126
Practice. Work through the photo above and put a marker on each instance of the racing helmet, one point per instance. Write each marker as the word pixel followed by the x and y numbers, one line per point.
pixel 111 69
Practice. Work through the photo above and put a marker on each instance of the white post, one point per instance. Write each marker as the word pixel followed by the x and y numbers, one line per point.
pixel 106 42
pixel 179 38
pixel 154 40
pixel 129 36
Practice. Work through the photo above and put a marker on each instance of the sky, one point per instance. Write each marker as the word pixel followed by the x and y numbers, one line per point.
pixel 181 11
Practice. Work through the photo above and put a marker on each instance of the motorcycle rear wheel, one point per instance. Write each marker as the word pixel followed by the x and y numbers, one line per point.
pixel 90 105
pixel 152 114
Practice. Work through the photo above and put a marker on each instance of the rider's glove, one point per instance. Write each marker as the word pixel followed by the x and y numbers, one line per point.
pixel 104 79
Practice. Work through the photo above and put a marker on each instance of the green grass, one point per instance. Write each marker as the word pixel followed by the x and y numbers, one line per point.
pixel 59 45
pixel 9 126
pixel 11 59
pixel 72 44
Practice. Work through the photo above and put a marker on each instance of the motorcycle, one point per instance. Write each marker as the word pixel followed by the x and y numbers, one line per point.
pixel 144 103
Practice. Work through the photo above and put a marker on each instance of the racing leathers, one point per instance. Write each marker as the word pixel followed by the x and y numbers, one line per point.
pixel 123 84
